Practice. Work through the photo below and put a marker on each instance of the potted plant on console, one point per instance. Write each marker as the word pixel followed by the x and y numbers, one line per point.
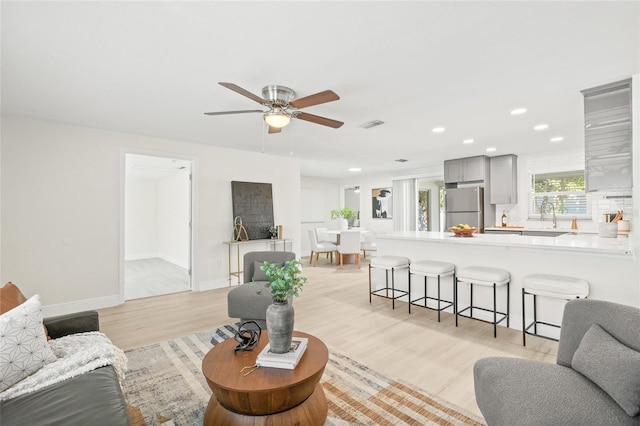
pixel 284 281
pixel 273 231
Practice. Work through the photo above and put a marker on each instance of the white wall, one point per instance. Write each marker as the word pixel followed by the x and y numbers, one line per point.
pixel 62 208
pixel 173 220
pixel 141 218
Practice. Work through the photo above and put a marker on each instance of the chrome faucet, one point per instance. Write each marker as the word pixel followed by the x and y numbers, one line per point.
pixel 545 205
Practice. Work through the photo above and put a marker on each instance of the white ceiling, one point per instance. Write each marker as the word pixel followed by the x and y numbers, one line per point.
pixel 152 68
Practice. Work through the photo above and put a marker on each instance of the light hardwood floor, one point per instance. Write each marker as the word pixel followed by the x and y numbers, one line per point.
pixel 334 306
pixel 153 277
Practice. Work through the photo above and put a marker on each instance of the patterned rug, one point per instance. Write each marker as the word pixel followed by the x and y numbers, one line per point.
pixel 165 383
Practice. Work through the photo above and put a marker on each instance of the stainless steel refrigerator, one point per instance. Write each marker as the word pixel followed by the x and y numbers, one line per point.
pixel 464 205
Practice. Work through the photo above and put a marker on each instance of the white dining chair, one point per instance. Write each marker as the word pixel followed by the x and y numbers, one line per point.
pixel 317 248
pixel 368 243
pixel 323 237
pixel 349 245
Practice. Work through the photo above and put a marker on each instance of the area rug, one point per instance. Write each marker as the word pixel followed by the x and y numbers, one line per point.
pixel 165 382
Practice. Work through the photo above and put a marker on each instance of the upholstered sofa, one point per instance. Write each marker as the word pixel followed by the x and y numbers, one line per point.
pixel 243 301
pixel 92 398
pixel 595 381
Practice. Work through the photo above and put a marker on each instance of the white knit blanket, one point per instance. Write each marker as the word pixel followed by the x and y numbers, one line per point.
pixel 77 354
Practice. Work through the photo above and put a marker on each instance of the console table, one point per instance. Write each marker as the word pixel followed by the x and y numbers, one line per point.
pixel 267 395
pixel 270 244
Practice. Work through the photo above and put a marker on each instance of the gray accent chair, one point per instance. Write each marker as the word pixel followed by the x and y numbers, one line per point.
pixel 512 391
pixel 243 301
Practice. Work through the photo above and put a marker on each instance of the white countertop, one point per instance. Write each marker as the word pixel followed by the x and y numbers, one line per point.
pixel 551 230
pixel 588 243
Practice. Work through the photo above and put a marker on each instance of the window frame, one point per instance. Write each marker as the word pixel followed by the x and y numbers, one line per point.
pixel 533 212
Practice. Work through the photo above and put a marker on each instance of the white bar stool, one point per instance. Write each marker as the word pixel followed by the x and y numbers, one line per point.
pixel 482 275
pixel 431 269
pixel 388 263
pixel 556 286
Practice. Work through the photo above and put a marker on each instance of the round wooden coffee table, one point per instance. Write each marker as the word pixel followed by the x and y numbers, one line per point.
pixel 271 396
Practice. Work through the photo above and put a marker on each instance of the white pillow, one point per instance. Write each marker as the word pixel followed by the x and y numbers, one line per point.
pixel 23 344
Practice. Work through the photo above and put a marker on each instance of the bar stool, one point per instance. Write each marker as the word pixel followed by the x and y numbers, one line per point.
pixel 388 263
pixel 556 286
pixel 484 276
pixel 431 269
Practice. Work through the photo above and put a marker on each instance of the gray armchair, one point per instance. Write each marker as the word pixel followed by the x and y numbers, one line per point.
pixel 595 381
pixel 243 301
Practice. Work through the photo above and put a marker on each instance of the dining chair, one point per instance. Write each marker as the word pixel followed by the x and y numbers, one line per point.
pixel 317 248
pixel 349 245
pixel 323 237
pixel 367 243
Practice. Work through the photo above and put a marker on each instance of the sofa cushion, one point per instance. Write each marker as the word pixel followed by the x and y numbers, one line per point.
pixel 612 366
pixel 23 344
pixel 10 297
pixel 92 398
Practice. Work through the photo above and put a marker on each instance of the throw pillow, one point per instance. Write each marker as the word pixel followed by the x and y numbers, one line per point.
pixel 612 366
pixel 10 297
pixel 23 345
pixel 259 274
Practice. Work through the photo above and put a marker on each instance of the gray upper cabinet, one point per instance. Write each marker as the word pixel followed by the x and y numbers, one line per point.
pixel 504 178
pixel 608 137
pixel 470 169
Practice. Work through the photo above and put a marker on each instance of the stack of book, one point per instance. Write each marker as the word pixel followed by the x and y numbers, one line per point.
pixel 288 360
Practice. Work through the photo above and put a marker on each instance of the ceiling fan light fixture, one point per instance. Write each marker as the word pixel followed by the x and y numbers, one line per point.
pixel 277 119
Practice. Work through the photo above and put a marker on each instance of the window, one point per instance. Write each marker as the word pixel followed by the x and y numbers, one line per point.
pixel 562 191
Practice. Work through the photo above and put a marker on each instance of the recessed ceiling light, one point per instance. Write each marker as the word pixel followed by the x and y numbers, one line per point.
pixel 556 139
pixel 541 126
pixel 402 160
pixel 467 141
pixel 491 149
pixel 355 169
pixel 437 129
pixel 518 111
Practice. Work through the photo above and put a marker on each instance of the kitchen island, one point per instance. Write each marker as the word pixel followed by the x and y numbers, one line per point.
pixel 608 264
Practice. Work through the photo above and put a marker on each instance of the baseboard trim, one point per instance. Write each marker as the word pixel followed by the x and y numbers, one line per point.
pixel 212 284
pixel 142 256
pixel 80 305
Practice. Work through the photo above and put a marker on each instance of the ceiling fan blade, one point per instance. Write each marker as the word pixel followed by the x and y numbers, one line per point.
pixel 319 120
pixel 318 98
pixel 232 112
pixel 274 129
pixel 243 92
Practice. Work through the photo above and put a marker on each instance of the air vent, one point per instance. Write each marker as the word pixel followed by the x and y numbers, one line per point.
pixel 402 160
pixel 372 123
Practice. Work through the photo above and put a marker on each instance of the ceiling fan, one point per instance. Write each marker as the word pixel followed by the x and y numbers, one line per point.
pixel 283 107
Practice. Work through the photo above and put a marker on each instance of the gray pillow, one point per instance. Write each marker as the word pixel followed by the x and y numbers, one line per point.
pixel 612 366
pixel 259 274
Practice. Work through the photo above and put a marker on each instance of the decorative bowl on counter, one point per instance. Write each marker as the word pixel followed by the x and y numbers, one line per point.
pixel 463 232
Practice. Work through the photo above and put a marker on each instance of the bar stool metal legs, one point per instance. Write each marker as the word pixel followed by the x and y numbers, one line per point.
pixel 393 264
pixel 431 269
pixel 491 277
pixel 552 286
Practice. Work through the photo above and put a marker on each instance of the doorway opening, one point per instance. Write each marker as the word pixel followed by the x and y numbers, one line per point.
pixel 430 208
pixel 157 226
pixel 352 201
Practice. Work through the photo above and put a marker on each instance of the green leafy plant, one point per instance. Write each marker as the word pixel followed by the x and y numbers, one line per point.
pixel 347 213
pixel 284 281
pixel 273 231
